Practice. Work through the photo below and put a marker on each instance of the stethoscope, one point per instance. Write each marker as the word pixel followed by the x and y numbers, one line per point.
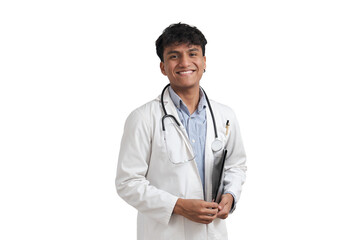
pixel 217 144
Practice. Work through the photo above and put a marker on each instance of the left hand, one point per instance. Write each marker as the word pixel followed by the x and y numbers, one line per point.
pixel 225 205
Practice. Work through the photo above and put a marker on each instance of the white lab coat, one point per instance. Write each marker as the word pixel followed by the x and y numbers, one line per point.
pixel 156 168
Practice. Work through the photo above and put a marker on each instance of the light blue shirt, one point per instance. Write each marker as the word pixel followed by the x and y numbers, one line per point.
pixel 195 125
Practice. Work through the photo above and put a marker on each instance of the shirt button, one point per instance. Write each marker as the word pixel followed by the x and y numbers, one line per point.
pixel 193 140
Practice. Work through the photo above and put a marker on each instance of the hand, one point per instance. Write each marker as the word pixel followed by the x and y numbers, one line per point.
pixel 196 210
pixel 225 205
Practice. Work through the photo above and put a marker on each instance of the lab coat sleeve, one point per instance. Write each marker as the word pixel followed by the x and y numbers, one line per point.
pixel 235 164
pixel 131 182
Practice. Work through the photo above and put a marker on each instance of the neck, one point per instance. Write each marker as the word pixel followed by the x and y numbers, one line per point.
pixel 190 97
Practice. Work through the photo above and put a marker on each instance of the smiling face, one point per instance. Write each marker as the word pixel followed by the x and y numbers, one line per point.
pixel 184 65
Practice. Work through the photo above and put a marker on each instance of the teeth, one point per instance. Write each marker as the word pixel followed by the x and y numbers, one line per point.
pixel 186 72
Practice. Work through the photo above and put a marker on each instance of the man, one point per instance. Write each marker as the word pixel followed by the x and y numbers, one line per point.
pixel 166 163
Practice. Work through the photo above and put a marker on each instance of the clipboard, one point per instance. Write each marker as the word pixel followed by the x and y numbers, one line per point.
pixel 218 177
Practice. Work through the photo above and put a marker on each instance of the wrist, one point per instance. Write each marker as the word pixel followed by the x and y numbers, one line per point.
pixel 178 206
pixel 233 200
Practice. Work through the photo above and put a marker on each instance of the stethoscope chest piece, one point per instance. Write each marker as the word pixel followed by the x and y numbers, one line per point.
pixel 216 145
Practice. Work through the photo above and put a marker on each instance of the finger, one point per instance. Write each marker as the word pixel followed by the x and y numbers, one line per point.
pixel 211 204
pixel 207 218
pixel 223 213
pixel 223 216
pixel 210 211
pixel 222 205
pixel 224 201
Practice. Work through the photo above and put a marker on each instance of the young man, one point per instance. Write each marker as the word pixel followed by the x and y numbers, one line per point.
pixel 172 145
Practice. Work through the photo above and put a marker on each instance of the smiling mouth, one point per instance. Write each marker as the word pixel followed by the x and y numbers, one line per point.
pixel 187 72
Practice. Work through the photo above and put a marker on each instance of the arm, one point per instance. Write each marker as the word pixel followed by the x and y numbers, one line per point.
pixel 131 183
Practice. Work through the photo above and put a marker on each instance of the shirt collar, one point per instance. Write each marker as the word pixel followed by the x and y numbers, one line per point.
pixel 202 102
pixel 178 102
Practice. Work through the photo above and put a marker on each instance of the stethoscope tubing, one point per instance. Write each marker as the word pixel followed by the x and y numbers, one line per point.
pixel 171 116
pixel 211 112
pixel 165 113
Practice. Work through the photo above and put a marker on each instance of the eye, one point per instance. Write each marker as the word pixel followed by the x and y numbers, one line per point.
pixel 172 56
pixel 193 54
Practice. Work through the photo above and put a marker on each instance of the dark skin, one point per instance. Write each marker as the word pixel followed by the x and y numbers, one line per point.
pixel 184 65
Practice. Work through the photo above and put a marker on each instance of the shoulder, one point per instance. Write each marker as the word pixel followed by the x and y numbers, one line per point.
pixel 222 108
pixel 145 108
pixel 144 113
pixel 223 113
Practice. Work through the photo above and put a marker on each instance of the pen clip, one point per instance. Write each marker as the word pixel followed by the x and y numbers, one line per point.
pixel 227 127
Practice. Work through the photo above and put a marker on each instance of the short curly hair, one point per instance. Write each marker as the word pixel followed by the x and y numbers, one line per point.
pixel 179 33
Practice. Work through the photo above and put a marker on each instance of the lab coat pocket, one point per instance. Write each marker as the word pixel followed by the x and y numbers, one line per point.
pixel 178 149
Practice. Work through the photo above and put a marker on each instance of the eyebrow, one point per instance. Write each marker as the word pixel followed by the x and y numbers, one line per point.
pixel 171 52
pixel 176 52
pixel 193 49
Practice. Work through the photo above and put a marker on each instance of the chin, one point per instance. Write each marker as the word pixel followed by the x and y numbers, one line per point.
pixel 187 86
pixel 187 83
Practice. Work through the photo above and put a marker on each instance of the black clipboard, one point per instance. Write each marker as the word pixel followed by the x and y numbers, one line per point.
pixel 218 178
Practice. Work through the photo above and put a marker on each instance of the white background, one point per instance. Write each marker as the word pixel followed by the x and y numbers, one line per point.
pixel 71 72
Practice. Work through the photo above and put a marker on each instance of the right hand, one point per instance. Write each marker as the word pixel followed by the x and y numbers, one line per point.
pixel 196 210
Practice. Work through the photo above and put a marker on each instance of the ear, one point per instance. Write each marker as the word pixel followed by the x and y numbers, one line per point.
pixel 162 68
pixel 204 62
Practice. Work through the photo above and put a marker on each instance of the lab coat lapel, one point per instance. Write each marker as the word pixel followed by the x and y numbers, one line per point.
pixel 209 156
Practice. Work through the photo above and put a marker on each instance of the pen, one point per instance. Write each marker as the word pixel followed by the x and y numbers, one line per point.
pixel 227 127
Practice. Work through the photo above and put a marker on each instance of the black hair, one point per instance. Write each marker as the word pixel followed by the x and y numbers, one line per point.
pixel 179 33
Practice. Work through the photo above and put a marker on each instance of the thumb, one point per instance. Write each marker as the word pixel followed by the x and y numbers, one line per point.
pixel 221 205
pixel 223 202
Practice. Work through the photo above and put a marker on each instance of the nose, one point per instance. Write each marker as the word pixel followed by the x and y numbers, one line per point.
pixel 184 61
